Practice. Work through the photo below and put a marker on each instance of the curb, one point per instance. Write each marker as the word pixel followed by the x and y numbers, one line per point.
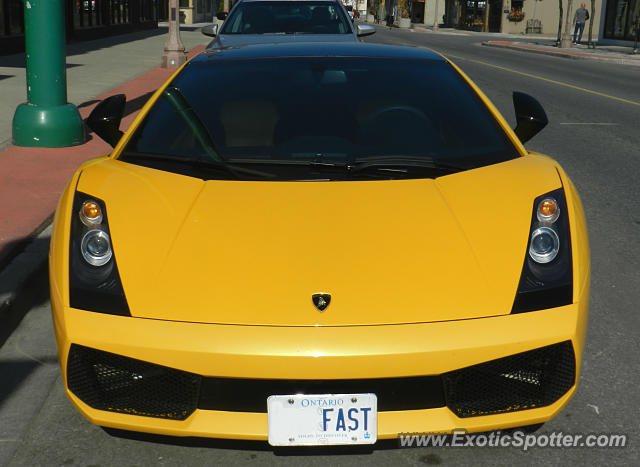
pixel 26 261
pixel 568 55
pixel 16 277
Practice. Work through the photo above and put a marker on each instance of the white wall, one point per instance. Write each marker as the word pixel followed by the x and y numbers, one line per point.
pixel 547 12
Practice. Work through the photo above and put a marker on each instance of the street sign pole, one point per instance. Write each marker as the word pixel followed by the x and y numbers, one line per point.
pixel 46 119
pixel 173 55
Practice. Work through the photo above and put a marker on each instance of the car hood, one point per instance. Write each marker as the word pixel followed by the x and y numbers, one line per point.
pixel 236 40
pixel 254 253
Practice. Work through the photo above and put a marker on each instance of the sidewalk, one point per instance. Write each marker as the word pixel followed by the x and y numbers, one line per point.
pixel 610 54
pixel 32 179
pixel 541 44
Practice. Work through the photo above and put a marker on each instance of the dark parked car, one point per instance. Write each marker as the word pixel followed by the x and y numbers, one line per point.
pixel 272 21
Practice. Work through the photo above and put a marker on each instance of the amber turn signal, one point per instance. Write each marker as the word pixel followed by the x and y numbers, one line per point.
pixel 90 213
pixel 548 210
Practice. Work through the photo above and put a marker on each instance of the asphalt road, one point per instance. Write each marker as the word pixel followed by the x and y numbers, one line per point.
pixel 594 113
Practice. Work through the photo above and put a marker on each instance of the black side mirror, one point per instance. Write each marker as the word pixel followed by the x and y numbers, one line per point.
pixel 530 116
pixel 222 15
pixel 106 117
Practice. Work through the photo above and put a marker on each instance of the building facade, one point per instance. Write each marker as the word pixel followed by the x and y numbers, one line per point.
pixel 612 21
pixel 621 20
pixel 84 19
pixel 197 11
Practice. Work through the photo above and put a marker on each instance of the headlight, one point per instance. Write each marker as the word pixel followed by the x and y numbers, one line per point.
pixel 94 280
pixel 547 275
pixel 544 245
pixel 96 247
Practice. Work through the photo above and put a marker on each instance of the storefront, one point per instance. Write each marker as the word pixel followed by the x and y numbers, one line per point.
pixel 472 15
pixel 11 18
pixel 620 17
pixel 417 11
pixel 196 11
pixel 92 14
pixel 85 19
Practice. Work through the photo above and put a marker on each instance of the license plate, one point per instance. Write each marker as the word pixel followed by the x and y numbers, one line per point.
pixel 322 419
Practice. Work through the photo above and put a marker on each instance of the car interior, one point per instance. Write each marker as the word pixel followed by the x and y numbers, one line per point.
pixel 282 18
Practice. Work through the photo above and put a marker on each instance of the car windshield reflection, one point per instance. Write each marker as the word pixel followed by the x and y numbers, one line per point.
pixel 306 116
pixel 289 17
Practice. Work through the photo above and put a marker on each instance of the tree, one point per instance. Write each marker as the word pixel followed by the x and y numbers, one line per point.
pixel 559 39
pixel 565 42
pixel 592 15
pixel 485 26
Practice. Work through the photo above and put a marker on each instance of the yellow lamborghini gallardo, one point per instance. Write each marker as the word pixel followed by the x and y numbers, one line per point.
pixel 319 244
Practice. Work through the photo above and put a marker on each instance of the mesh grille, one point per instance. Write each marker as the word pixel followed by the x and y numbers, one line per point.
pixel 106 381
pixel 523 381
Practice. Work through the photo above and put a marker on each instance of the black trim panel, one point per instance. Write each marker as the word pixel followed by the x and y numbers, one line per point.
pixel 250 395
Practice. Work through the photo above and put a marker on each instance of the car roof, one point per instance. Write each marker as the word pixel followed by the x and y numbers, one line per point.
pixel 317 49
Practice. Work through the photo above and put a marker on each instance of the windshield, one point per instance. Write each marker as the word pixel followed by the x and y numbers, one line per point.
pixel 287 17
pixel 310 118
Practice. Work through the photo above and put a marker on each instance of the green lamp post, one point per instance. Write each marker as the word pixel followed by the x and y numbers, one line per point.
pixel 46 119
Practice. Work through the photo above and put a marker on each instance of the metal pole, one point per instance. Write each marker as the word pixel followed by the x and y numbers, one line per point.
pixel 46 119
pixel 173 55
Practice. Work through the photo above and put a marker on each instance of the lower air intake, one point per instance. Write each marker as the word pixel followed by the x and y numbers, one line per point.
pixel 106 381
pixel 527 380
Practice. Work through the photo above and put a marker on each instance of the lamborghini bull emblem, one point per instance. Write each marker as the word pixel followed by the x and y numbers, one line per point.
pixel 321 301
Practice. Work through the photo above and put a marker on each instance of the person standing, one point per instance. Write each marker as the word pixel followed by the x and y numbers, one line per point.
pixel 579 19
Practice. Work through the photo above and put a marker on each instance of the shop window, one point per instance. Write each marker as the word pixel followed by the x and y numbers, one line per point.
pixel 619 19
pixel 12 17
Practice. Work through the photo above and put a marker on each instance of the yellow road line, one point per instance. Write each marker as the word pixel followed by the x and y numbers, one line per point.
pixel 559 83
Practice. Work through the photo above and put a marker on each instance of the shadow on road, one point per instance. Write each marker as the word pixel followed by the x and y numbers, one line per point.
pixel 16 372
pixel 34 292
pixel 243 445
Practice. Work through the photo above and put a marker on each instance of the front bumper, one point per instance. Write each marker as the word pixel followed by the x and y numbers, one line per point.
pixel 318 353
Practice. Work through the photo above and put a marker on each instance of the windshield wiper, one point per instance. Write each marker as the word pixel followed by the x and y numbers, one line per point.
pixel 401 164
pixel 180 105
pixel 314 165
pixel 195 163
